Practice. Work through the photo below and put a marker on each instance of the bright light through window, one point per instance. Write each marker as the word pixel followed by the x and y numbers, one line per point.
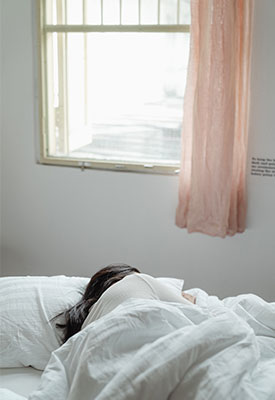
pixel 114 81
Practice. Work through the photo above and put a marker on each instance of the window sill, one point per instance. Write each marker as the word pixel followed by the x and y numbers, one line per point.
pixel 111 166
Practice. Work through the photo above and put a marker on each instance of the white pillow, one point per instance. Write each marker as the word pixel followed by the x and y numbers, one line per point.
pixel 27 304
pixel 173 282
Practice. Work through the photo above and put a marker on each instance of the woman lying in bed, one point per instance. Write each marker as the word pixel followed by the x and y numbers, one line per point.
pixel 108 288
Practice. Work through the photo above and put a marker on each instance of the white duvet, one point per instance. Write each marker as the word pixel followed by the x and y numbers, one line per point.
pixel 147 349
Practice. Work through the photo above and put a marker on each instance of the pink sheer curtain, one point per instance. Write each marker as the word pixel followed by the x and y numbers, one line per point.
pixel 212 192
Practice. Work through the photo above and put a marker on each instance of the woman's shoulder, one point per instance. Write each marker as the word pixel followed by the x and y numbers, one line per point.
pixel 145 277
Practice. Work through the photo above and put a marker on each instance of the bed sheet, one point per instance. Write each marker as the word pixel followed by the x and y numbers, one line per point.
pixel 153 350
pixel 20 380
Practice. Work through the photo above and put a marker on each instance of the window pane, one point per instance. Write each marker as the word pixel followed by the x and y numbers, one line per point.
pixel 125 102
pixel 78 130
pixel 71 11
pixel 93 15
pixel 185 12
pixel 117 96
pixel 129 12
pixel 110 12
pixel 149 12
pixel 74 11
pixel 168 11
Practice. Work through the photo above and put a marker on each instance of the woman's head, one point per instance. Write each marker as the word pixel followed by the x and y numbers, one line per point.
pixel 101 281
pixel 105 278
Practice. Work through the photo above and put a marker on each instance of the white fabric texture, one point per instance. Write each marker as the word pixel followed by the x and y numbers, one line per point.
pixel 153 350
pixel 27 304
pixel 136 285
pixel 6 394
pixel 174 283
pixel 22 381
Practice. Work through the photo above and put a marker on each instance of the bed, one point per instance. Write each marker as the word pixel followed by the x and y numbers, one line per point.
pixel 22 381
pixel 141 350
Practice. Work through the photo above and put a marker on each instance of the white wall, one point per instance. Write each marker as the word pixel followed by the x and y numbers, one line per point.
pixel 61 220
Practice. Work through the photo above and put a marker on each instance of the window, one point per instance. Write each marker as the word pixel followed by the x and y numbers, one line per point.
pixel 112 82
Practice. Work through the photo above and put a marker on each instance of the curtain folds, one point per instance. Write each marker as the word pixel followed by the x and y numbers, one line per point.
pixel 212 189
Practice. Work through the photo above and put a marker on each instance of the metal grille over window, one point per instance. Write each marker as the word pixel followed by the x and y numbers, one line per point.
pixel 113 80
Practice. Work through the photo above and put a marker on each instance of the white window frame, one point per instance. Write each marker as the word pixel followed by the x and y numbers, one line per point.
pixel 44 112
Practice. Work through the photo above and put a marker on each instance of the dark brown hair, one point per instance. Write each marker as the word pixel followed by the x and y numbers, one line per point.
pixel 101 281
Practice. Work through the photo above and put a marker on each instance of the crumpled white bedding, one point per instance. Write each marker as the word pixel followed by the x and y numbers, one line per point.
pixel 148 349
pixel 22 380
